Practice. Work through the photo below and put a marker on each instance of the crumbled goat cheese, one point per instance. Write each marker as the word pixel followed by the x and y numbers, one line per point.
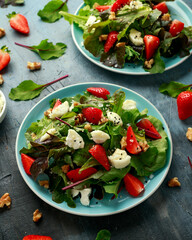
pixel 135 5
pixel 91 20
pixel 85 193
pixel 115 118
pixel 120 159
pixel 74 140
pixel 46 136
pixel 99 136
pixel 129 104
pixel 60 110
pixel 135 37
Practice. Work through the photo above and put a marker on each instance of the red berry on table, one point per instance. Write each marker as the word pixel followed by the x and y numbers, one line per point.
pixel 92 115
pixel 4 57
pixel 27 162
pixel 18 22
pixel 98 152
pixel 151 45
pixel 99 92
pixel 150 130
pixel 111 39
pixel 176 27
pixel 75 175
pixel 133 185
pixel 133 146
pixel 184 105
pixel 162 7
pixel 37 237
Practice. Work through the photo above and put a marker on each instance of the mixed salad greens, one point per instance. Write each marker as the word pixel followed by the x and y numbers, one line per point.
pixel 94 144
pixel 132 31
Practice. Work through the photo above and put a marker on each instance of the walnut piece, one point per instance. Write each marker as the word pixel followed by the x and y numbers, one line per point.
pixel 2 32
pixel 103 120
pixel 65 168
pixel 33 66
pixel 37 215
pixel 103 37
pixel 46 113
pixel 166 17
pixel 79 119
pixel 44 183
pixel 123 143
pixel 95 5
pixel 149 64
pixel 88 127
pixel 120 44
pixel 5 200
pixel 174 182
pixel 1 79
pixel 144 145
pixel 189 134
pixel 112 16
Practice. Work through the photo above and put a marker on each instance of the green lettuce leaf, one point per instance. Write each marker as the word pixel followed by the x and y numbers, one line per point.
pixel 159 65
pixel 114 174
pixel 112 188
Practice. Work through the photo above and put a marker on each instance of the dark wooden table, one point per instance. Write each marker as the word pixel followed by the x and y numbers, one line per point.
pixel 167 214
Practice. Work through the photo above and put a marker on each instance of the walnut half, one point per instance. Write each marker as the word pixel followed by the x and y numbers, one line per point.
pixel 5 200
pixel 1 79
pixel 33 66
pixel 123 143
pixel 37 215
pixel 44 183
pixel 149 64
pixel 2 32
pixel 189 134
pixel 174 182
pixel 144 145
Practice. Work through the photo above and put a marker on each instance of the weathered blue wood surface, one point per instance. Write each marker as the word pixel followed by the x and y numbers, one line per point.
pixel 167 214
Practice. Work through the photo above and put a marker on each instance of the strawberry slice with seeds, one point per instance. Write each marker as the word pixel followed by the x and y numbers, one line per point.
pixel 75 175
pixel 132 144
pixel 18 22
pixel 58 102
pixel 27 162
pixel 150 130
pixel 98 152
pixel 133 185
pixel 99 92
pixel 37 237
pixel 92 115
pixel 4 57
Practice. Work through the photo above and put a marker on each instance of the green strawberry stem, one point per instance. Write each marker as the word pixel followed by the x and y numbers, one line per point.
pixel 21 45
pixel 63 122
pixel 50 83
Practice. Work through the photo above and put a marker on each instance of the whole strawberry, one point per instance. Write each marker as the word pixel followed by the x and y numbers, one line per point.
pixel 184 105
pixel 4 57
pixel 18 22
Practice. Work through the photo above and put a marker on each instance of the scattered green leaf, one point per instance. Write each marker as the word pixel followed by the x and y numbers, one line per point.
pixel 103 235
pixel 173 89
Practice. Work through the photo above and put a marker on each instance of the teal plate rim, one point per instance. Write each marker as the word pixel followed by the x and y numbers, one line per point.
pixel 106 206
pixel 178 8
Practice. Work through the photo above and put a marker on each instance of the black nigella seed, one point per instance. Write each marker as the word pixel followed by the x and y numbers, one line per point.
pixel 74 140
pixel 80 141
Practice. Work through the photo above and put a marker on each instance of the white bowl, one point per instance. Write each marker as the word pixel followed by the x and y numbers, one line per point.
pixel 4 110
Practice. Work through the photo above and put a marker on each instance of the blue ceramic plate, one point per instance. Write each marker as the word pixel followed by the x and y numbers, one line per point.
pixel 105 206
pixel 179 10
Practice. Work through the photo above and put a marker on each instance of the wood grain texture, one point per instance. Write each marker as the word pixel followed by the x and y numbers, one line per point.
pixel 167 214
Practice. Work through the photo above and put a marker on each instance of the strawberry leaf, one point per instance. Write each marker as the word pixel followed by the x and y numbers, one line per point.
pixel 103 235
pixel 47 50
pixel 50 12
pixel 5 3
pixel 173 89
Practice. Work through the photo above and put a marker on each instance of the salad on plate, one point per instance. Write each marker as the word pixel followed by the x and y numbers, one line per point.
pixel 94 144
pixel 132 31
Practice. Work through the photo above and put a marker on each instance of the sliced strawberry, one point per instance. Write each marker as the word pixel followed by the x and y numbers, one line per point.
pixel 184 105
pixel 75 175
pixel 133 185
pixel 18 22
pixel 37 237
pixel 27 162
pixel 92 115
pixel 102 8
pixel 132 144
pixel 150 130
pixel 99 92
pixel 57 104
pixel 119 4
pixel 111 39
pixel 176 27
pixel 151 45
pixel 4 57
pixel 162 7
pixel 98 152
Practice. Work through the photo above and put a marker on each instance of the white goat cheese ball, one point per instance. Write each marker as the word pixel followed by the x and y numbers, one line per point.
pixel 60 110
pixel 115 118
pixel 46 136
pixel 99 136
pixel 119 159
pixel 129 105
pixel 74 140
pixel 135 5
pixel 135 37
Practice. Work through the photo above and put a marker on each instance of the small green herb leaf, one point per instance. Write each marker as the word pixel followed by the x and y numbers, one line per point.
pixel 50 12
pixel 173 89
pixel 47 50
pixel 103 235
